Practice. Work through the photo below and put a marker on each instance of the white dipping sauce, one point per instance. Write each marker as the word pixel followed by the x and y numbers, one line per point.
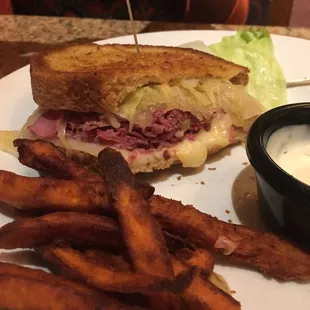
pixel 289 148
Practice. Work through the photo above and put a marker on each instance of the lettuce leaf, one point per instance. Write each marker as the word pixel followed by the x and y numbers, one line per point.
pixel 197 45
pixel 254 49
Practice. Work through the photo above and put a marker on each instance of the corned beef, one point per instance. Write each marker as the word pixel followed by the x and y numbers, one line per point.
pixel 165 129
pixel 46 126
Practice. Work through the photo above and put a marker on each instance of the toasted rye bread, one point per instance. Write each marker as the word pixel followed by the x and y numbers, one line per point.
pixel 97 78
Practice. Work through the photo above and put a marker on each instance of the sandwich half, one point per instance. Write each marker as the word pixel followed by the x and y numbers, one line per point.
pixel 162 107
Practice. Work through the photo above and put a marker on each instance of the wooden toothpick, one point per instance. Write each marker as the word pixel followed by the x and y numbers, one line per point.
pixel 133 28
pixel 297 83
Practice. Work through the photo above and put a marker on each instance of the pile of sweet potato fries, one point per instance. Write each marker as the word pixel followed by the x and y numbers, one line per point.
pixel 116 245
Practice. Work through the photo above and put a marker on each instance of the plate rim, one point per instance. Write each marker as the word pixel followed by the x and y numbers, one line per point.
pixel 167 32
pixel 229 32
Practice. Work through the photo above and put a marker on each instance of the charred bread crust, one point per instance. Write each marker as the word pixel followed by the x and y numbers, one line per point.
pixel 97 78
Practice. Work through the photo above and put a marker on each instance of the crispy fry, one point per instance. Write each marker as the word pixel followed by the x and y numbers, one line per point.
pixel 15 270
pixel 176 243
pixel 200 258
pixel 17 293
pixel 61 228
pixel 189 253
pixel 104 278
pixel 18 285
pixel 203 295
pixel 165 300
pixel 91 163
pixel 114 261
pixel 52 195
pixel 118 262
pixel 82 229
pixel 139 227
pixel 142 235
pixel 87 161
pixel 264 251
pixel 45 156
pixel 259 250
pixel 141 232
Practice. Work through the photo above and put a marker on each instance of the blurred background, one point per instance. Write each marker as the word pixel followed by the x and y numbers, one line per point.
pixel 294 13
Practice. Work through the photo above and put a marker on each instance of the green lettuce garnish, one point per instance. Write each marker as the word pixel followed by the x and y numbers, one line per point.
pixel 254 49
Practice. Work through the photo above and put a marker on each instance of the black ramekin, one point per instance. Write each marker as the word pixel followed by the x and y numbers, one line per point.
pixel 284 201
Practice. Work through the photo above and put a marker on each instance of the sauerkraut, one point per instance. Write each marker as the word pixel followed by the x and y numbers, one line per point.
pixel 201 98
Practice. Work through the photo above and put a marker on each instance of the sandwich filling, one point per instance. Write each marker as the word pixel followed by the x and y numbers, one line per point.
pixel 163 120
pixel 166 128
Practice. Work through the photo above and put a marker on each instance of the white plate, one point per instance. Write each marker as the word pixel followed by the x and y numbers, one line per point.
pixel 228 192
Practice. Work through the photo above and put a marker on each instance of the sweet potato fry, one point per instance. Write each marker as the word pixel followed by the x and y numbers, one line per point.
pixel 264 251
pixel 121 263
pixel 63 229
pixel 82 229
pixel 203 295
pixel 114 261
pixel 44 194
pixel 185 256
pixel 189 253
pixel 25 288
pixel 141 232
pixel 142 235
pixel 18 293
pixel 45 156
pixel 104 278
pixel 16 270
pixel 165 300
pixel 200 258
pixel 176 243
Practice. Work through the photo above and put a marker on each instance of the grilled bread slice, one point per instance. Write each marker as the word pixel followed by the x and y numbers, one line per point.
pixel 97 78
